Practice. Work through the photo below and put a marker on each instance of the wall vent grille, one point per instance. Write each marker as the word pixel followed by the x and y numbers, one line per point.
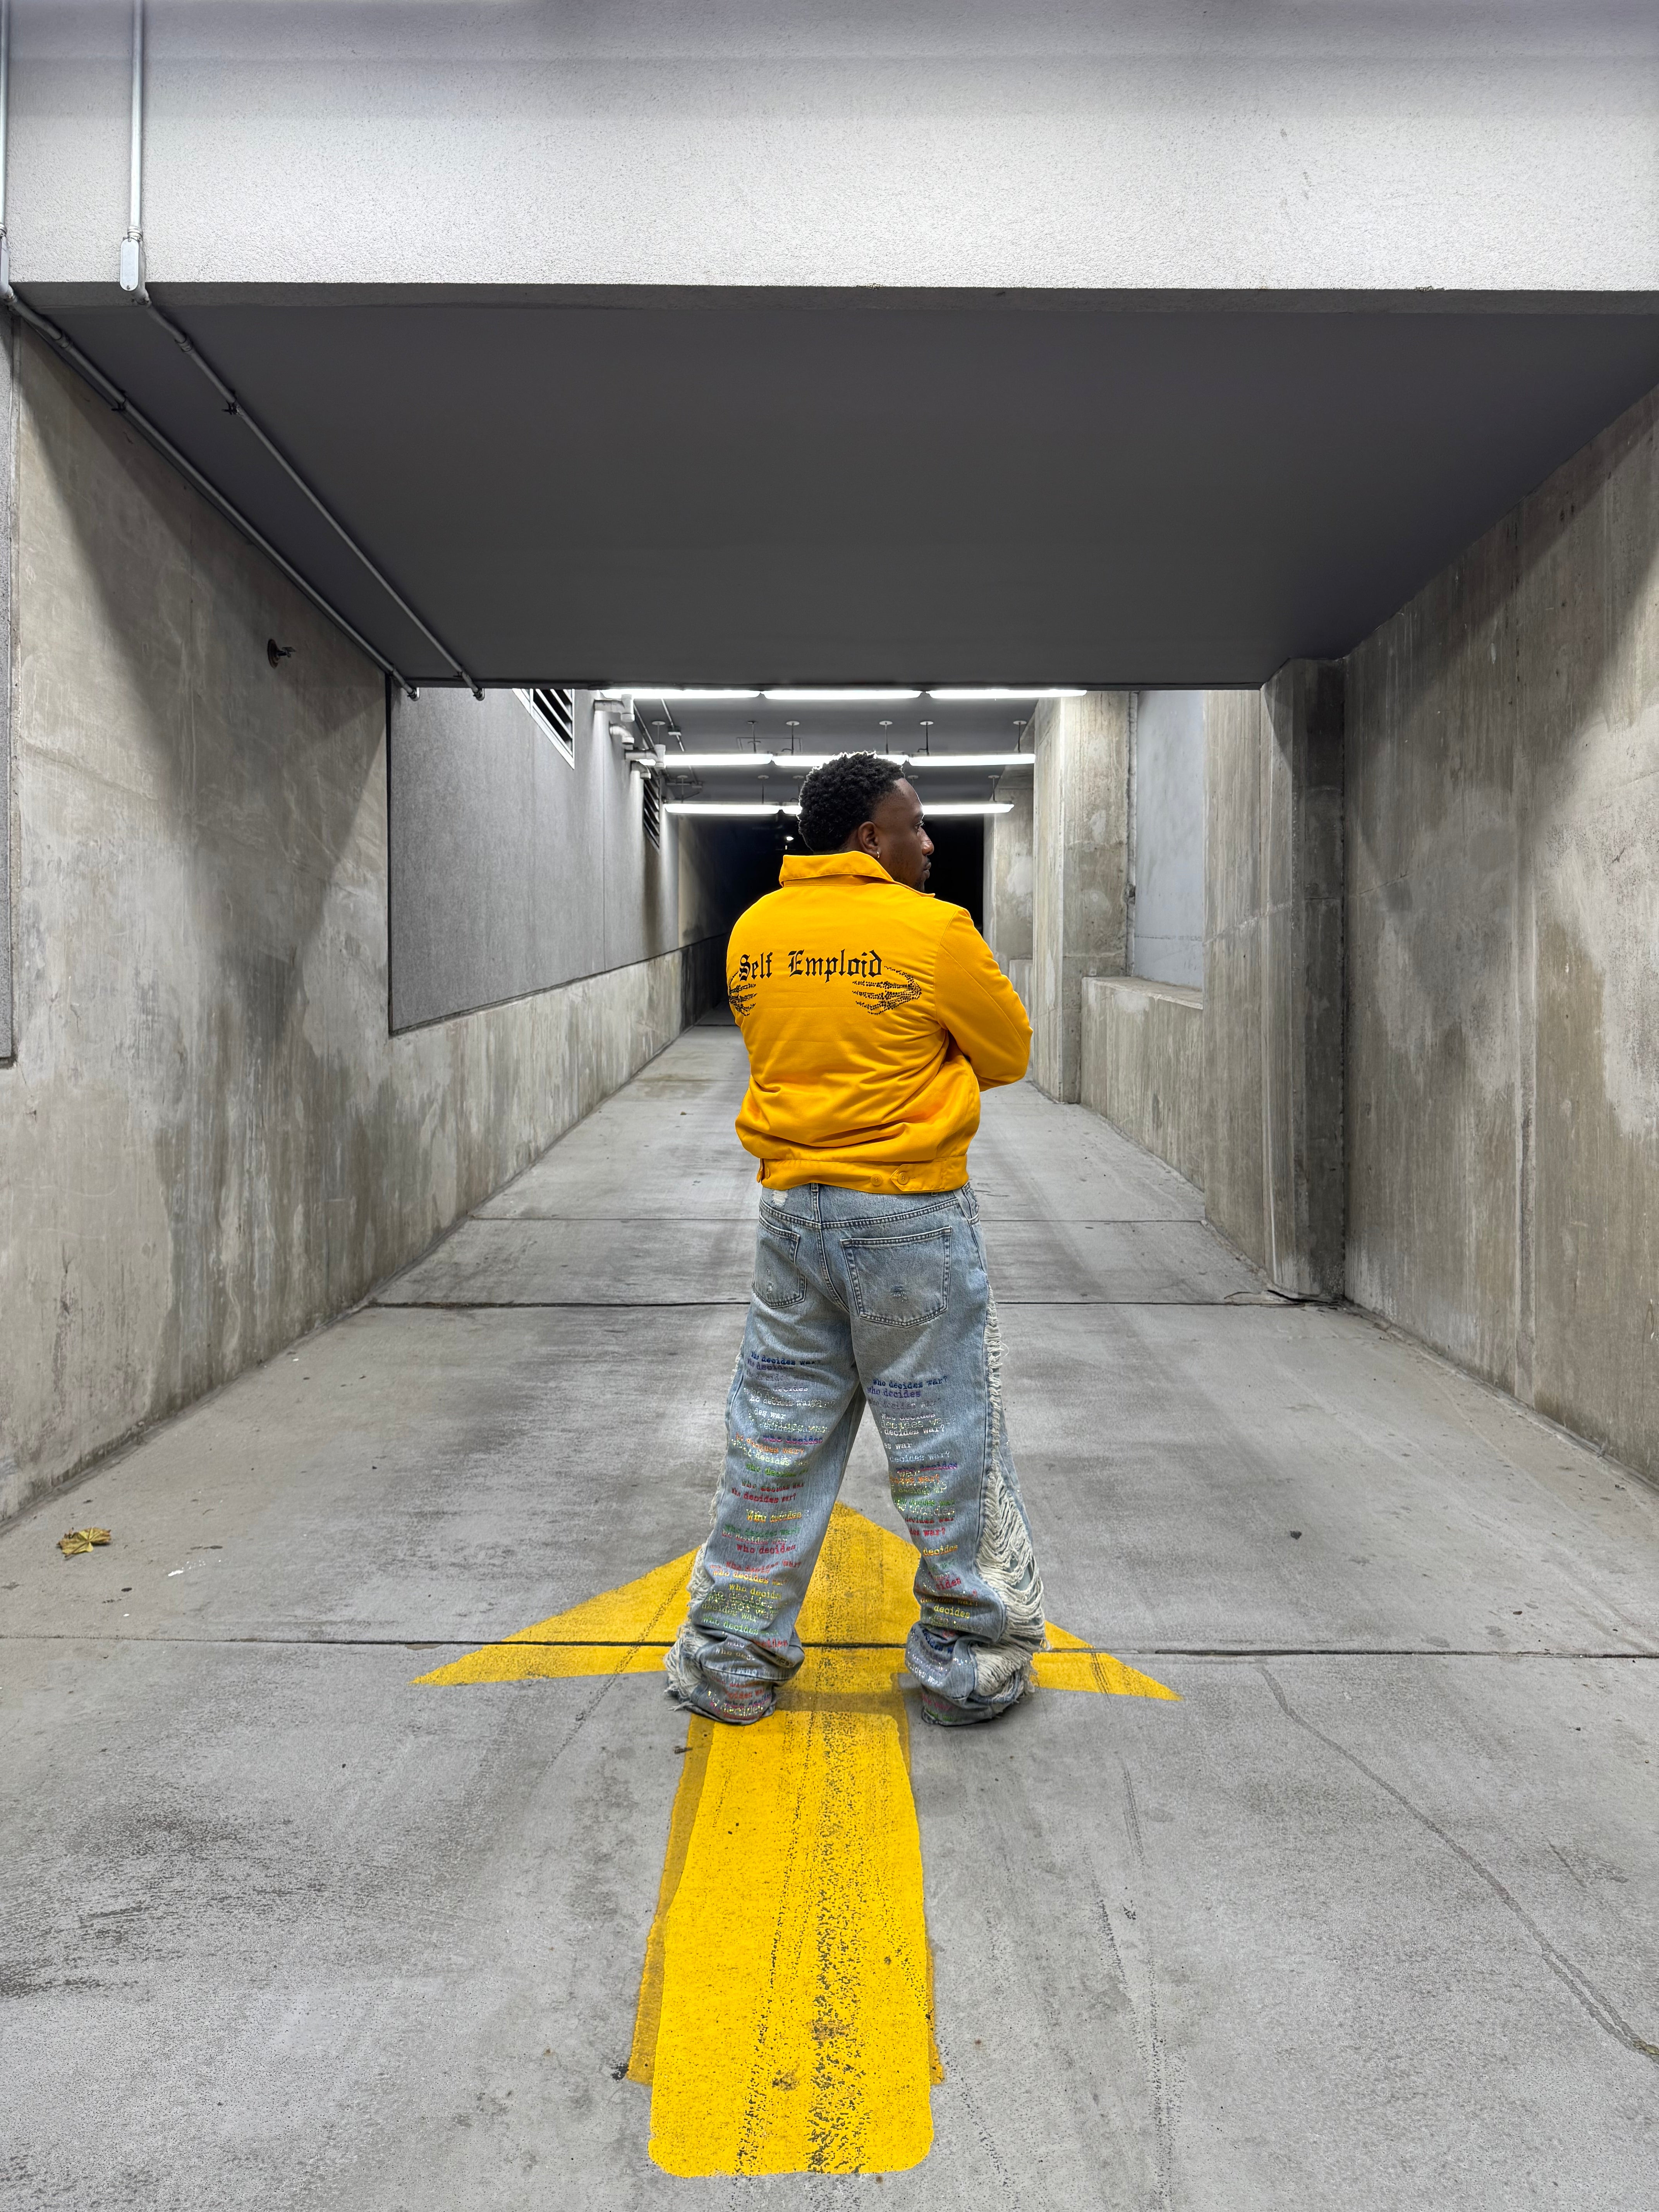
pixel 651 808
pixel 555 711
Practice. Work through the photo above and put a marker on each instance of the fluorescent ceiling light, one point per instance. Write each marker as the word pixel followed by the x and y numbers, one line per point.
pixel 846 696
pixel 718 760
pixel 803 763
pixel 676 691
pixel 969 693
pixel 969 760
pixel 971 806
pixel 727 807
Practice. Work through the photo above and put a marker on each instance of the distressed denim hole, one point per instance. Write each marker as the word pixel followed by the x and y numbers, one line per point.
pixel 900 1281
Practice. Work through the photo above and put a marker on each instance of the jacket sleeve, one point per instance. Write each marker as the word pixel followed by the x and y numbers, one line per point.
pixel 978 1004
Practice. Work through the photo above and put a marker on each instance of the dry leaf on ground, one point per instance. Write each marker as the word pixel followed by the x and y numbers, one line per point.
pixel 82 1539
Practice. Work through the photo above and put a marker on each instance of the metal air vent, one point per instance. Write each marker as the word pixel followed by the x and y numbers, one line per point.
pixel 555 710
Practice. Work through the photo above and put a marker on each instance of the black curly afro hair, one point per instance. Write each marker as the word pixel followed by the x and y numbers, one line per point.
pixel 835 798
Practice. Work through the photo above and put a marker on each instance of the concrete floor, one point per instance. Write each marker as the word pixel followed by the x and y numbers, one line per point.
pixel 1367 1920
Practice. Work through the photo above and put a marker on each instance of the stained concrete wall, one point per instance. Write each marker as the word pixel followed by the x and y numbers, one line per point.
pixel 1141 1042
pixel 210 1140
pixel 1143 1066
pixel 1274 976
pixel 8 494
pixel 1010 871
pixel 1079 923
pixel 514 869
pixel 1166 878
pixel 1233 1016
pixel 1503 923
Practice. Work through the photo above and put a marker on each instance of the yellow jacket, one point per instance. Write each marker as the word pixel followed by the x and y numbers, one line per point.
pixel 874 1016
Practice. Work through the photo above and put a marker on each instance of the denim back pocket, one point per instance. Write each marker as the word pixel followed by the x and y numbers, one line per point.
pixel 778 1282
pixel 900 1281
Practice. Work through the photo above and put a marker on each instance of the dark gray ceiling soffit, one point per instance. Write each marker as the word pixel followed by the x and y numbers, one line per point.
pixel 842 487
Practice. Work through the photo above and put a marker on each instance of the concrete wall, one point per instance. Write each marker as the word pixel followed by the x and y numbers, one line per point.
pixel 1009 871
pixel 1431 990
pixel 210 1140
pixel 513 869
pixel 1143 1066
pixel 1140 1043
pixel 1274 981
pixel 1166 873
pixel 1079 922
pixel 1503 762
pixel 1146 144
pixel 1233 1090
pixel 7 827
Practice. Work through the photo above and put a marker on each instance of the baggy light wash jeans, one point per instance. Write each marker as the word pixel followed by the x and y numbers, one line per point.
pixel 862 1297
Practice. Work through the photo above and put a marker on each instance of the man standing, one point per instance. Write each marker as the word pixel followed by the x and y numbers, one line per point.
pixel 873 1018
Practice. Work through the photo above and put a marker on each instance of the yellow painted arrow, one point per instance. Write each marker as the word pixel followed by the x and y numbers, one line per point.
pixel 785 2016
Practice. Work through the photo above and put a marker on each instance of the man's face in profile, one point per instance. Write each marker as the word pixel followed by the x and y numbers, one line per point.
pixel 900 840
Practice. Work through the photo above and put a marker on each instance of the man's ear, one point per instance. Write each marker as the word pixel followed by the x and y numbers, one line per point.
pixel 867 834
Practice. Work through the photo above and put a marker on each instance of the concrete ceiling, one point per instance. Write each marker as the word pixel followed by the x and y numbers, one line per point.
pixel 837 488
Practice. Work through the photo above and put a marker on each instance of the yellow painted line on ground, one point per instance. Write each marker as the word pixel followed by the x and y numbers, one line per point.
pixel 785 2013
pixel 794 2030
pixel 623 1631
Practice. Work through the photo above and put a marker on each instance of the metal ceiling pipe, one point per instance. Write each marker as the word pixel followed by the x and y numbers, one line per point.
pixel 234 406
pixel 110 391
pixel 115 397
pixel 133 246
pixel 136 176
pixel 111 394
pixel 133 284
pixel 6 117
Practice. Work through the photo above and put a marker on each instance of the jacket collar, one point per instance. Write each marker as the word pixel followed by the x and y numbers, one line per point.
pixel 819 867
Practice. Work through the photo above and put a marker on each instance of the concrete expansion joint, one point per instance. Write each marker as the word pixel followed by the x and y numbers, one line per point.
pixel 1225 1654
pixel 1252 1652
